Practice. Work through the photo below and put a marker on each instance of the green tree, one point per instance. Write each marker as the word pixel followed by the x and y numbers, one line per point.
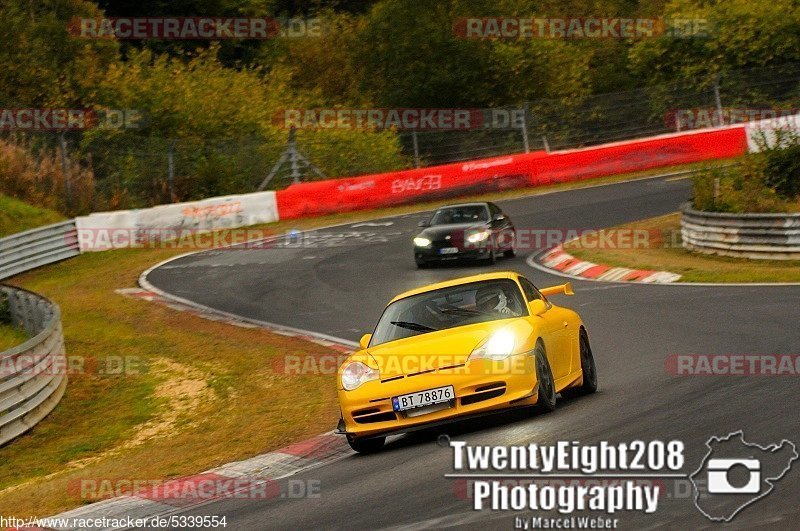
pixel 741 34
pixel 41 64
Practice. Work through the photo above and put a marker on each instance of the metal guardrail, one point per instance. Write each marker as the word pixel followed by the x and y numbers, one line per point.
pixel 36 247
pixel 754 236
pixel 33 375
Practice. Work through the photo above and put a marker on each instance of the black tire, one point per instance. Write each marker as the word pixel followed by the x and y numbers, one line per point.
pixel 511 252
pixel 421 264
pixel 491 259
pixel 588 366
pixel 546 387
pixel 366 446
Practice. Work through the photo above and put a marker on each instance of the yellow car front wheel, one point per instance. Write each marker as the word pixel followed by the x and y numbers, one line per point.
pixel 546 400
pixel 366 446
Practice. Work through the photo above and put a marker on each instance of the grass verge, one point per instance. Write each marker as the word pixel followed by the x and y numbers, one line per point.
pixel 193 394
pixel 11 336
pixel 693 267
pixel 16 216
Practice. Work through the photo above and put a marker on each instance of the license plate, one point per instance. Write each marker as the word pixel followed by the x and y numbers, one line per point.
pixel 423 398
pixel 448 250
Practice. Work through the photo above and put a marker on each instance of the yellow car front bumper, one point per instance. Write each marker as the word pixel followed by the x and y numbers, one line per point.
pixel 480 385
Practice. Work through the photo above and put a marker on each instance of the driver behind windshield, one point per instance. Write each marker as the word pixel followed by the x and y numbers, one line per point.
pixel 493 299
pixel 468 214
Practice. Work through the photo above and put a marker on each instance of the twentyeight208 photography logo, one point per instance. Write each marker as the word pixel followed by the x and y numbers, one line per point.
pixel 735 473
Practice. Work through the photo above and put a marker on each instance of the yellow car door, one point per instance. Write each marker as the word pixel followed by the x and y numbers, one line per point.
pixel 559 321
pixel 555 325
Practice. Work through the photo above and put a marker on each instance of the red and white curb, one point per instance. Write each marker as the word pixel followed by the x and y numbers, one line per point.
pixel 559 262
pixel 252 478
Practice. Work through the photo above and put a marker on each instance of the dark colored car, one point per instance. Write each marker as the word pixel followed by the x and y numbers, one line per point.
pixel 478 231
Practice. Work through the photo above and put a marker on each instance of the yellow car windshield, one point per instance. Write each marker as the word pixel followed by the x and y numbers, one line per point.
pixel 465 304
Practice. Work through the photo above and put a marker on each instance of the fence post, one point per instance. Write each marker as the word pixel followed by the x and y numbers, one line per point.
pixel 295 159
pixel 717 100
pixel 416 148
pixel 65 171
pixel 524 127
pixel 171 170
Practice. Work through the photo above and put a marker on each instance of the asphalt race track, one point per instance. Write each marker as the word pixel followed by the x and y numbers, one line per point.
pixel 336 281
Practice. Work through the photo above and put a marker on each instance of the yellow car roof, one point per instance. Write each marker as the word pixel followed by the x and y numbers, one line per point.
pixel 456 282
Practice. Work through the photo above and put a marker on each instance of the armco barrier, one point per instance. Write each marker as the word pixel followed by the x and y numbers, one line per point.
pixel 755 236
pixel 512 171
pixel 33 248
pixel 33 374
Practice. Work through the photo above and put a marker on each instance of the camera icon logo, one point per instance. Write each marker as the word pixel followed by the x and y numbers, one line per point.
pixel 720 469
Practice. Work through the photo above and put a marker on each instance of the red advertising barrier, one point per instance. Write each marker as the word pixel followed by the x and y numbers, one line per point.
pixel 506 172
pixel 638 155
pixel 383 189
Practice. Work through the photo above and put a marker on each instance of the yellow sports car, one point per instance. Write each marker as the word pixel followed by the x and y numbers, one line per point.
pixel 461 348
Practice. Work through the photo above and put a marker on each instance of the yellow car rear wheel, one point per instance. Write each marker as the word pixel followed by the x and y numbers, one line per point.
pixel 587 365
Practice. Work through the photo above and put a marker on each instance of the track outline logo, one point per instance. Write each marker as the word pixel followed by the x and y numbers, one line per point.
pixel 768 480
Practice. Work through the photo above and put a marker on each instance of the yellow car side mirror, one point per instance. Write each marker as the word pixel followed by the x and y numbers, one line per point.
pixel 364 341
pixel 538 307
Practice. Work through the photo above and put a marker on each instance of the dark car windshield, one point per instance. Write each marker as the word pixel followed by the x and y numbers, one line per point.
pixel 476 302
pixel 460 214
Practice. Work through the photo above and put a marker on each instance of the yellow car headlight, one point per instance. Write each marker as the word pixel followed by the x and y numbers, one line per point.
pixel 356 373
pixel 477 237
pixel 421 242
pixel 499 346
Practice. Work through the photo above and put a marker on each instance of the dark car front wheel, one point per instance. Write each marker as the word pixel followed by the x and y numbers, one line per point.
pixel 491 259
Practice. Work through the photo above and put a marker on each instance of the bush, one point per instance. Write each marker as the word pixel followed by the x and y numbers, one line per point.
pixel 765 181
pixel 5 311
pixel 34 175
pixel 737 189
pixel 782 164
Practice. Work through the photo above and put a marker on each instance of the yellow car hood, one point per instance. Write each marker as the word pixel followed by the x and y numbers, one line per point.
pixel 432 350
